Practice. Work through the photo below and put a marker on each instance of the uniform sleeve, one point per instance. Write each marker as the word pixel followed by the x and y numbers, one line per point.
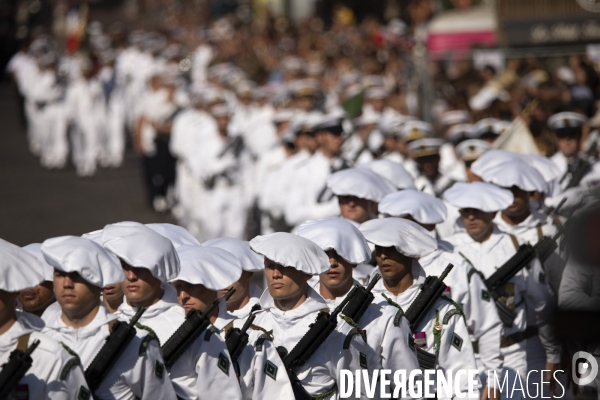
pixel 262 373
pixel 216 374
pixel 69 385
pixel 539 298
pixel 456 352
pixel 154 380
pixel 482 318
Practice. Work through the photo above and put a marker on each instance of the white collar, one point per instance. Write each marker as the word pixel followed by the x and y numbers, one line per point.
pixel 255 293
pixel 314 302
pixel 25 324
pixel 102 317
pixel 409 294
pixel 167 301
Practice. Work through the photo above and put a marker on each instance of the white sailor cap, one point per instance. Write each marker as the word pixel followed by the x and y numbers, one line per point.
pixel 425 147
pixel 413 130
pixel 366 119
pixel 391 125
pixel 292 251
pixel 95 236
pixel 35 250
pixel 422 207
pixel 376 92
pixel 211 267
pixel 407 237
pixel 460 132
pixel 19 270
pixel 519 174
pixel 492 158
pixel 219 110
pixel 359 182
pixel 487 128
pixel 141 247
pixel 91 261
pixel 249 260
pixel 454 117
pixel 176 234
pixel 566 121
pixel 472 149
pixel 340 235
pixel 392 171
pixel 283 115
pixel 544 166
pixel 478 195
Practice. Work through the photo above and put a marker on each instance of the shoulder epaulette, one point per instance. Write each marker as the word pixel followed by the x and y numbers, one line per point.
pixel 473 271
pixel 209 332
pixel 267 335
pixel 456 310
pixel 145 342
pixel 73 362
pixel 400 312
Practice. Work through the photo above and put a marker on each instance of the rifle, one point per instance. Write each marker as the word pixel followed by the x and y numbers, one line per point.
pixel 195 323
pixel 121 334
pixel 15 369
pixel 361 300
pixel 524 255
pixel 430 292
pixel 236 339
pixel 319 331
pixel 582 167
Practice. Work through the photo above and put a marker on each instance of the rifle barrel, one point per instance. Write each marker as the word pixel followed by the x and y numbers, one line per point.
pixel 375 279
pixel 446 271
pixel 137 316
pixel 339 308
pixel 31 348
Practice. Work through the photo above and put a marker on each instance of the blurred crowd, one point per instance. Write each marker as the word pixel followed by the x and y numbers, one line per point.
pixel 229 114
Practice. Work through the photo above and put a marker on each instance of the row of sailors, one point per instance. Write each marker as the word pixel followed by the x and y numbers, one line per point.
pixel 164 268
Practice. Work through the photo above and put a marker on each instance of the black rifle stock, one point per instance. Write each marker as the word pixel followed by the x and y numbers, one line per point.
pixel 120 336
pixel 195 323
pixel 15 369
pixel 361 300
pixel 430 292
pixel 237 339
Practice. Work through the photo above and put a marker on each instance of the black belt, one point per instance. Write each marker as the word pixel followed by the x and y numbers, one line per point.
pixel 507 341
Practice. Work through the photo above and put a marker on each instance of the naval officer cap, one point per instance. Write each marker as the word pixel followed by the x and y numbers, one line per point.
pixel 330 123
pixel 422 207
pixel 413 130
pixel 487 128
pixel 566 122
pixel 35 250
pixel 91 261
pixel 210 267
pixel 472 149
pixel 392 171
pixel 519 174
pixel 19 270
pixel 340 235
pixel 425 147
pixel 478 195
pixel 249 260
pixel 405 236
pixel 360 182
pixel 454 117
pixel 141 247
pixel 175 233
pixel 459 133
pixel 292 251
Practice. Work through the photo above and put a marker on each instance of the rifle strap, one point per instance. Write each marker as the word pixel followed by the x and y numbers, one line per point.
pixel 22 342
pixel 400 312
pixel 540 233
pixel 111 324
pixel 456 310
pixel 437 334
pixel 228 327
pixel 514 241
pixel 356 327
pixel 557 221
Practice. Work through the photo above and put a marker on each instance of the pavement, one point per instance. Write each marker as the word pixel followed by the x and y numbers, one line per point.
pixel 36 203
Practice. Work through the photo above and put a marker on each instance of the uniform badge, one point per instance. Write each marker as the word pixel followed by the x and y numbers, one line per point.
pixel 159 369
pixel 542 277
pixel 447 292
pixel 456 342
pixel 21 392
pixel 421 339
pixel 223 363
pixel 84 393
pixel 271 370
pixel 363 360
pixel 485 295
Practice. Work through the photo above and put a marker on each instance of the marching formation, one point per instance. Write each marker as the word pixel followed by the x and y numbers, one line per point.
pixel 385 242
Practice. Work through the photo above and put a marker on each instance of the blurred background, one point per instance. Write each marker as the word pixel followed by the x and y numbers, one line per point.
pixel 490 58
